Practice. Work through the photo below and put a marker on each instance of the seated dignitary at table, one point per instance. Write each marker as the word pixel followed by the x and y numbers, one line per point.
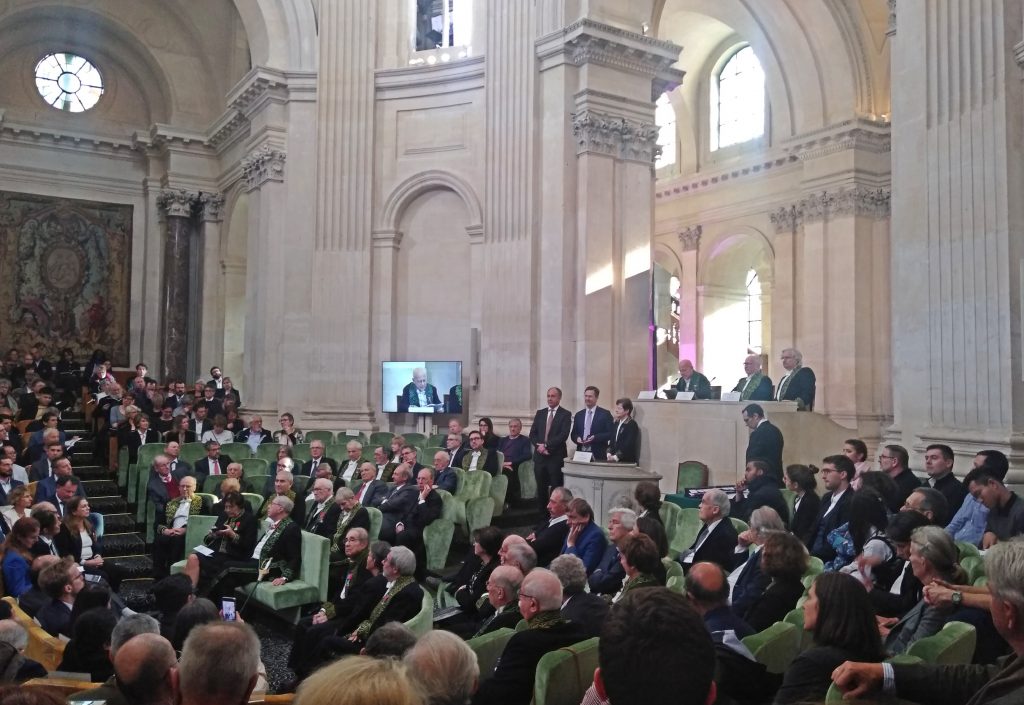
pixel 625 443
pixel 547 539
pixel 692 381
pixel 401 601
pixel 765 441
pixel 478 457
pixel 372 491
pixel 276 557
pixel 419 393
pixel 579 606
pixel 321 510
pixel 716 540
pixel 758 489
pixel 592 426
pixel 169 536
pixel 755 385
pixel 232 538
pixel 585 538
pixel 798 384
pixel 352 592
pixel 540 602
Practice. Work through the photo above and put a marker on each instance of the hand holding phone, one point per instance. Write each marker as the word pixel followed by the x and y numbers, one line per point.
pixel 227 609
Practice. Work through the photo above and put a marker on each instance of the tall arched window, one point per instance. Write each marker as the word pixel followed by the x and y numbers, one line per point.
pixel 665 119
pixel 737 100
pixel 753 311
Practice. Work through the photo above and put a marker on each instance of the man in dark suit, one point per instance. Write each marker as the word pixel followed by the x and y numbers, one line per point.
pixel 457 449
pixel 428 507
pixel 133 440
pixel 49 490
pixel 382 464
pixel 938 464
pixel 478 457
pixel 162 485
pixel 540 599
pixel 318 463
pixel 7 481
pixel 322 511
pixel 445 477
pixel 201 423
pixel 398 503
pixel 692 381
pixel 716 541
pixel 765 441
pixel 43 468
pixel 62 582
pixel 592 425
pixel 255 435
pixel 550 431
pixel 837 473
pixel 761 491
pixel 547 539
pixel 214 407
pixel 372 491
pixel 419 393
pixel 213 464
pixel 502 608
pixel 894 461
pixel 606 578
pixel 755 386
pixel 798 384
pixel 578 606
pixel 409 457
pixel 347 470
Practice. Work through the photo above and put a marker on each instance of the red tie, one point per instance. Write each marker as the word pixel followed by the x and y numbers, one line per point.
pixel 362 492
pixel 216 468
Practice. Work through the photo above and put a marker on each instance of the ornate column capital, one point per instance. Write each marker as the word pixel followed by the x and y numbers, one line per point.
pixel 211 207
pixel 178 203
pixel 689 237
pixel 786 219
pixel 857 201
pixel 615 136
pixel 263 165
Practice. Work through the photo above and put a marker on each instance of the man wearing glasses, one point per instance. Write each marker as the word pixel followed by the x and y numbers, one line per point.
pixel 540 602
pixel 169 542
pixel 893 461
pixel 837 473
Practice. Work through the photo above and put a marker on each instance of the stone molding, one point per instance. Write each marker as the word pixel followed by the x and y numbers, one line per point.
pixel 263 165
pixel 861 201
pixel 890 29
pixel 590 42
pixel 872 136
pixel 615 136
pixel 689 238
pixel 211 207
pixel 256 88
pixel 177 203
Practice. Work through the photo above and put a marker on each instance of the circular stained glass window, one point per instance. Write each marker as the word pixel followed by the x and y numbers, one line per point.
pixel 68 82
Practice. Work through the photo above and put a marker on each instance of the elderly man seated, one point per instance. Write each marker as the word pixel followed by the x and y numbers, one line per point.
pixel 283 482
pixel 169 539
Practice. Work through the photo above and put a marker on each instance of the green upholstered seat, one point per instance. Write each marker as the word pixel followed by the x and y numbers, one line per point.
pixel 437 540
pixel 691 473
pixel 479 512
pixel 122 468
pixel 953 644
pixel 967 549
pixel 327 437
pixel 527 482
pixel 488 649
pixel 499 487
pixel 381 438
pixel 148 452
pixel 815 566
pixel 474 484
pixel 775 647
pixel 255 501
pixel 740 525
pixel 255 466
pixel 974 566
pixel 236 451
pixel 268 451
pixel 301 452
pixel 310 587
pixel 437 440
pixel 790 497
pixel 675 530
pixel 376 517
pixel 689 527
pixel 198 526
pixel 191 452
pixel 212 483
pixel 299 485
pixel 563 675
pixel 132 481
pixel 672 569
pixel 424 619
pixel 257 481
pixel 796 618
pixel 418 440
pixel 980 581
pixel 343 437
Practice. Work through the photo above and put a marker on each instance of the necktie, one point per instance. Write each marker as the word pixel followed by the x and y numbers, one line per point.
pixel 362 492
pixel 547 427
pixel 316 462
pixel 783 385
pixel 216 468
pixel 700 537
pixel 586 424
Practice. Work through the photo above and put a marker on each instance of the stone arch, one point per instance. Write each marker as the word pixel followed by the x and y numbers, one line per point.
pixel 418 184
pixel 282 33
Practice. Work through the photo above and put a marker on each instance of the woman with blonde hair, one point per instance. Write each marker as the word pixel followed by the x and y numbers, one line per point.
pixel 19 503
pixel 360 680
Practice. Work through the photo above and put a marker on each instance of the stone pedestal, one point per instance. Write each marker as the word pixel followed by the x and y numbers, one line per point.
pixel 605 485
pixel 177 301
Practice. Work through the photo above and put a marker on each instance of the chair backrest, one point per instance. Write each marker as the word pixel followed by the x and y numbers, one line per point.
pixel 815 566
pixel 326 436
pixel 343 437
pixel 314 568
pixel 953 644
pixel 376 517
pixel 499 488
pixel 796 618
pixel 418 440
pixel 691 473
pixel 790 497
pixel 740 525
pixel 775 647
pixel 527 480
pixel 437 542
pixel 563 676
pixel 382 438
pixel 211 483
pixel 198 526
pixel 255 466
pixel 967 549
pixel 301 452
pixel 236 451
pixel 299 485
pixel 450 511
pixel 672 569
pixel 255 501
pixel 148 452
pixel 479 512
pixel 437 440
pixel 191 452
pixel 46 649
pixel 268 451
pixel 690 523
pixel 475 484
pixel 488 649
pixel 974 567
pixel 424 619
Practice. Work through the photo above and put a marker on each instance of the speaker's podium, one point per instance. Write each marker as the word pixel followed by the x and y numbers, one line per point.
pixel 713 432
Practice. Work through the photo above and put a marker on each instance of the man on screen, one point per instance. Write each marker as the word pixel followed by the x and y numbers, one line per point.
pixel 419 393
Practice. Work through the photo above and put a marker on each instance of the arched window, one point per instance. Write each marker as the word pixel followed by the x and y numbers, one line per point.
pixel 737 100
pixel 753 311
pixel 665 119
pixel 68 82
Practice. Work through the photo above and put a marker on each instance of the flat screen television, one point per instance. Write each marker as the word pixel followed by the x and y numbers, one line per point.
pixel 420 387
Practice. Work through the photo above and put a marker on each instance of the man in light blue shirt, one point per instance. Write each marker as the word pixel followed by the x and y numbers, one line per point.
pixel 969 522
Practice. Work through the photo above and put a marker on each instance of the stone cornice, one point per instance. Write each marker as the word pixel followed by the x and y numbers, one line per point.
pixel 177 203
pixel 862 134
pixel 615 136
pixel 859 201
pixel 414 81
pixel 263 165
pixel 679 186
pixel 689 237
pixel 258 87
pixel 229 127
pixel 59 138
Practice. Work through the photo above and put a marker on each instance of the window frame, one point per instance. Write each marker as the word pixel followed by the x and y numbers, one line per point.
pixel 725 53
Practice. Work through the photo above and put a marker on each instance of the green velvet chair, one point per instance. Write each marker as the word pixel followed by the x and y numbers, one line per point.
pixel 740 525
pixel 437 440
pixel 191 452
pixel 563 675
pixel 479 512
pixel 381 438
pixel 255 466
pixel 268 452
pixel 691 473
pixel 796 618
pixel 198 526
pixel 499 488
pixel 967 549
pixel 953 644
pixel 790 497
pixel 974 566
pixel 141 498
pixel 301 452
pixel 689 527
pixel 488 649
pixel 211 483
pixel 132 482
pixel 674 576
pixel 299 484
pixel 148 452
pixel 419 440
pixel 424 619
pixel 255 501
pixel 527 482
pixel 343 437
pixel 437 540
pixel 311 586
pixel 675 530
pixel 376 517
pixel 236 451
pixel 980 581
pixel 775 647
pixel 326 436
pixel 209 502
pixel 815 566
pixel 474 484
pixel 122 468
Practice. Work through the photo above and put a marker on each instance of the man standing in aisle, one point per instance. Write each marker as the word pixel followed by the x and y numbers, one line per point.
pixel 550 431
pixel 593 426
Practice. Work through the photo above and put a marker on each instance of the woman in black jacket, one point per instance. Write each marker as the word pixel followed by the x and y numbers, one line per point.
pixel 783 561
pixel 625 444
pixel 800 479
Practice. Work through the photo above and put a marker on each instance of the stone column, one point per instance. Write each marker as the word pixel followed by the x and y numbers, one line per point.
pixel 177 207
pixel 958 227
pixel 689 323
pixel 211 323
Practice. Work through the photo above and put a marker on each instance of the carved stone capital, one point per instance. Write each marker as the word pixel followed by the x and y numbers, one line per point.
pixel 615 136
pixel 263 165
pixel 786 219
pixel 890 29
pixel 211 207
pixel 178 204
pixel 689 238
pixel 860 201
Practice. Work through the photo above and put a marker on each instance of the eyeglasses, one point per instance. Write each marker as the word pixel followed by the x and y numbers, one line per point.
pixel 528 597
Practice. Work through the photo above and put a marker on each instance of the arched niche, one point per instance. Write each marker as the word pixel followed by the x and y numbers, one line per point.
pixel 282 33
pixel 667 275
pixel 730 304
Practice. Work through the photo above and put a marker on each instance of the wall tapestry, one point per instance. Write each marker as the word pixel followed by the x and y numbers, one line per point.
pixel 65 275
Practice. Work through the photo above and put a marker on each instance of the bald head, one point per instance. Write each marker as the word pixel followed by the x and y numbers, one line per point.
pixel 707 586
pixel 544 589
pixel 143 665
pixel 510 540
